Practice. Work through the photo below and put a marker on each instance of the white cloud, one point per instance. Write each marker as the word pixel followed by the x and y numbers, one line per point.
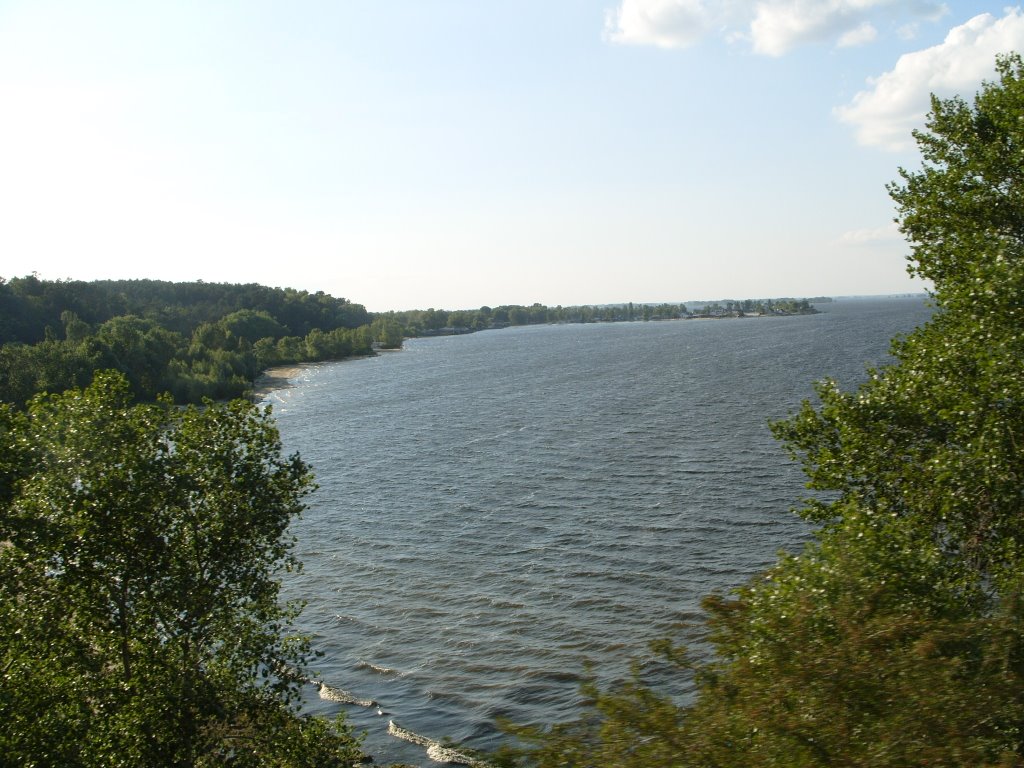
pixel 772 26
pixel 897 101
pixel 780 25
pixel 662 23
pixel 862 35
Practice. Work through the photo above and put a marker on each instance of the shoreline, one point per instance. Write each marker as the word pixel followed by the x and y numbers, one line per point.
pixel 278 377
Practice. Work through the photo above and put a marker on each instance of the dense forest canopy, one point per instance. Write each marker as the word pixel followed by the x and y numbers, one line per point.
pixel 192 340
pixel 28 306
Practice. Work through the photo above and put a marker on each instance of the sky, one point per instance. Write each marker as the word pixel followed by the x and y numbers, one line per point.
pixel 455 153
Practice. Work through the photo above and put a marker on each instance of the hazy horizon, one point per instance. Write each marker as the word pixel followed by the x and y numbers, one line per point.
pixel 698 302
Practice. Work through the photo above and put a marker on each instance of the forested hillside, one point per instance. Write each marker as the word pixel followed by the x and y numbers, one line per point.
pixel 28 305
pixel 193 340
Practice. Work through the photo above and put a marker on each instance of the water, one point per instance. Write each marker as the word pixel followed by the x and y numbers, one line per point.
pixel 496 508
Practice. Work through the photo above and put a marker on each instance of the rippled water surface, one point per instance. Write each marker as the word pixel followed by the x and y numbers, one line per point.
pixel 496 508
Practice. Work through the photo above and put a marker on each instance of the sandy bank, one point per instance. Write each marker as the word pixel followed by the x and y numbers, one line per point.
pixel 281 377
pixel 276 378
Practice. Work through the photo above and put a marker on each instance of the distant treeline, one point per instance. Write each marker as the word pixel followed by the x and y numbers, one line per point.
pixel 197 340
pixel 431 322
pixel 192 340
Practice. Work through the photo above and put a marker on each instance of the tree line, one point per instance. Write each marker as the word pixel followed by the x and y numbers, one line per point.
pixel 428 322
pixel 29 305
pixel 211 340
pixel 192 340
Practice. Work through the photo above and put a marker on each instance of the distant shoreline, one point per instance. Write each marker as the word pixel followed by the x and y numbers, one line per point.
pixel 280 377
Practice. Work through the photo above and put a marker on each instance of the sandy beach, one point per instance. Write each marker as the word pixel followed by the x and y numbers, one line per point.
pixel 275 378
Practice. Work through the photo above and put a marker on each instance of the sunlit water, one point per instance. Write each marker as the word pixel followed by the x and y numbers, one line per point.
pixel 496 508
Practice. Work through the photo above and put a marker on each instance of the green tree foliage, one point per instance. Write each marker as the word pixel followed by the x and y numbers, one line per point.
pixel 28 305
pixel 896 638
pixel 140 623
pixel 140 349
pixel 174 340
pixel 252 325
pixel 387 332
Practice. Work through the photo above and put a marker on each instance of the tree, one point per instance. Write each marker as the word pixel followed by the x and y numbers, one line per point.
pixel 140 349
pixel 935 437
pixel 252 325
pixel 896 638
pixel 387 332
pixel 139 578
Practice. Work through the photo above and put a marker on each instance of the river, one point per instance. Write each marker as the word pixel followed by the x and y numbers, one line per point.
pixel 496 508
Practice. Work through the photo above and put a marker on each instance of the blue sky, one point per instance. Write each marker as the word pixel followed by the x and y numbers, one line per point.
pixel 454 153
